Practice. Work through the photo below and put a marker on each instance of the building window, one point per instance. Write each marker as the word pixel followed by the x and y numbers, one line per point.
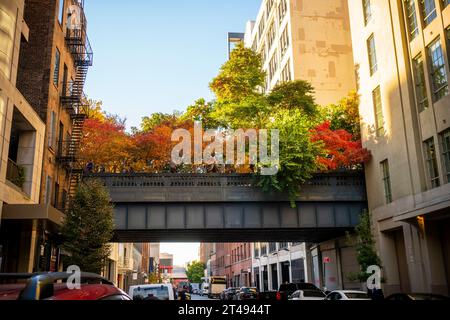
pixel 378 108
pixel 431 159
pixel 52 130
pixel 445 137
pixel 272 247
pixel 283 245
pixel 56 196
pixel 413 27
pixel 263 55
pixel 446 2
pixel 284 41
pixel 386 181
pixel 256 250
pixel 367 9
pixel 261 27
pixel 282 9
pixel 438 72
pixel 56 68
pixel 270 36
pixel 373 64
pixel 428 8
pixel 273 65
pixel 263 249
pixel 421 89
pixel 269 5
pixel 48 190
pixel 286 73
pixel 61 11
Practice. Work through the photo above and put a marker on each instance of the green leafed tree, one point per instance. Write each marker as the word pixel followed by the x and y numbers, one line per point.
pixel 88 227
pixel 292 95
pixel 240 77
pixel 156 119
pixel 201 111
pixel 298 153
pixel 365 247
pixel 344 115
pixel 195 271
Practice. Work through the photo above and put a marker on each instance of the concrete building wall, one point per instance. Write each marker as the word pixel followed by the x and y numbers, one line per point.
pixel 406 219
pixel 319 45
pixel 16 113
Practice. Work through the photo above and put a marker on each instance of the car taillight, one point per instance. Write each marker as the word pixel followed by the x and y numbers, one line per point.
pixel 278 296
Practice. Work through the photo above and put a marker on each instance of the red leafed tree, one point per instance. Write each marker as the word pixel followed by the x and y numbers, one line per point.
pixel 106 143
pixel 340 149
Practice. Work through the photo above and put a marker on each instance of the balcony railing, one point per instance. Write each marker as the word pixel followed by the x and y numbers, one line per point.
pixel 15 173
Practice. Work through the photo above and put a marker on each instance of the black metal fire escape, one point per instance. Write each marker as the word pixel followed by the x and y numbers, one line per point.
pixel 73 101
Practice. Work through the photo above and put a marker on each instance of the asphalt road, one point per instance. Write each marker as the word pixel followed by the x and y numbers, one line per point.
pixel 200 298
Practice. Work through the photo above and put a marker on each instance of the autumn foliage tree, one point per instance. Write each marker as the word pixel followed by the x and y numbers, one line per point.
pixel 340 150
pixel 106 143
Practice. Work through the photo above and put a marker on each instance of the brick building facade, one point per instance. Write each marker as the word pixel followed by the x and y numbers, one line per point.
pixel 233 260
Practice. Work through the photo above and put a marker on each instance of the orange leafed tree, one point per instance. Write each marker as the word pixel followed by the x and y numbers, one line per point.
pixel 340 150
pixel 106 143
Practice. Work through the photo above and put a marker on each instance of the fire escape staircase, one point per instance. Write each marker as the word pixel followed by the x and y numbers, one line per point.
pixel 73 101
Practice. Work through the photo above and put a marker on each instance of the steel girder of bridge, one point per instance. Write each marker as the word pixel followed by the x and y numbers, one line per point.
pixel 230 208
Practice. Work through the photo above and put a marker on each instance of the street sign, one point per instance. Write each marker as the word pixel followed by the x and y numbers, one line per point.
pixel 326 260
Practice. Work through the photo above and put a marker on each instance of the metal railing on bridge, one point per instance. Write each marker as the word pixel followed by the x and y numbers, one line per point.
pixel 142 180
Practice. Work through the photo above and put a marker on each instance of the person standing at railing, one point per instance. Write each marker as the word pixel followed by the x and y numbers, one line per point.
pixel 89 167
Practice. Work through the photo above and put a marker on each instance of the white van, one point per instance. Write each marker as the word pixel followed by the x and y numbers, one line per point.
pixel 205 289
pixel 152 292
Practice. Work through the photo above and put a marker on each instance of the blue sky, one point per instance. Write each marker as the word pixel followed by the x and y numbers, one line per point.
pixel 159 56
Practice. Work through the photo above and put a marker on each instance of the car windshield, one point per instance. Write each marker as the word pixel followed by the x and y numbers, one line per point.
pixel 157 293
pixel 249 290
pixel 313 294
pixel 356 295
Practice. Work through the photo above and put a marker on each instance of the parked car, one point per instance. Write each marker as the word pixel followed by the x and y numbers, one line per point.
pixel 416 296
pixel 347 295
pixel 307 295
pixel 288 289
pixel 53 286
pixel 152 292
pixel 228 294
pixel 246 293
pixel 267 296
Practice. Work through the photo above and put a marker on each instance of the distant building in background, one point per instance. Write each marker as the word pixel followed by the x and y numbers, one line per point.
pixel 233 39
pixel 233 260
pixel 277 263
pixel 206 250
pixel 165 265
pixel 150 257
pixel 307 40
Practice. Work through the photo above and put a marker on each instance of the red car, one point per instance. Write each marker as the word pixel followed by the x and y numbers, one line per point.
pixel 52 286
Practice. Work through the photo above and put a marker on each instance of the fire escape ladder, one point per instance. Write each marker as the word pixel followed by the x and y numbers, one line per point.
pixel 73 101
